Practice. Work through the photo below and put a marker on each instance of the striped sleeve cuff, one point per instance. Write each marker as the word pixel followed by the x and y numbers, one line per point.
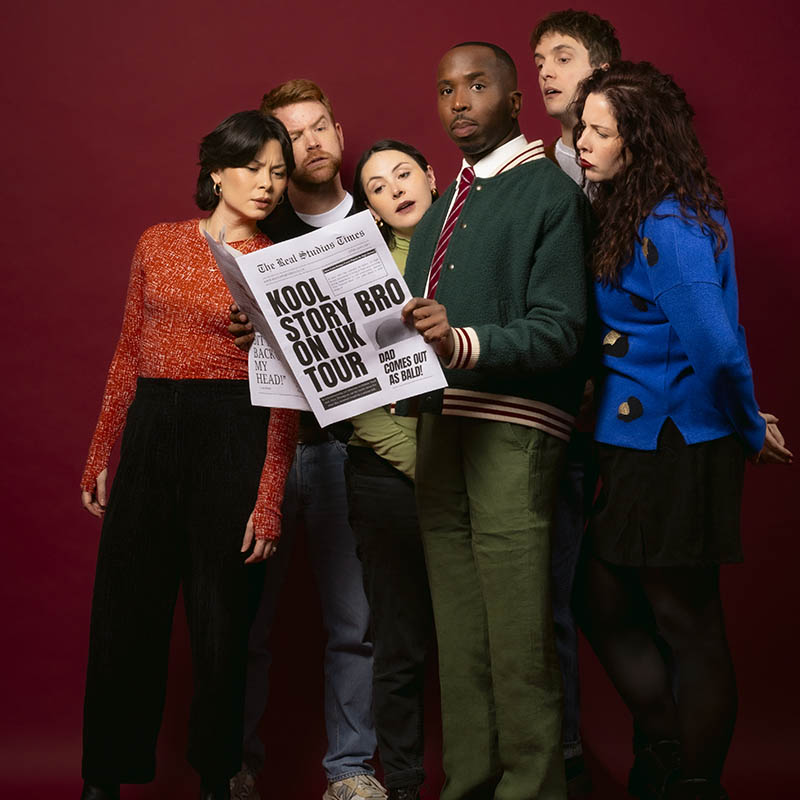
pixel 466 350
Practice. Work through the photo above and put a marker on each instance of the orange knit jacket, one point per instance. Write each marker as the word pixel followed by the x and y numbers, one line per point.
pixel 175 326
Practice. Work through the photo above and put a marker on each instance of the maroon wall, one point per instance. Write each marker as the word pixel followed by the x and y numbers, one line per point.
pixel 104 105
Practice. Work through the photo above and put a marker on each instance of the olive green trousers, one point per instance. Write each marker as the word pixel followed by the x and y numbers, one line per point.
pixel 486 494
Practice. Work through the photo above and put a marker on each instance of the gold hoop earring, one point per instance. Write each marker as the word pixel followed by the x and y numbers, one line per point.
pixel 218 189
pixel 277 204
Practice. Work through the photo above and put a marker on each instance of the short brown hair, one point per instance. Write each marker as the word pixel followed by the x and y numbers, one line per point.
pixel 299 90
pixel 596 34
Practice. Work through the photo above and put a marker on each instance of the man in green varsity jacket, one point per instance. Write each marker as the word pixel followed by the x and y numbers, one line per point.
pixel 497 270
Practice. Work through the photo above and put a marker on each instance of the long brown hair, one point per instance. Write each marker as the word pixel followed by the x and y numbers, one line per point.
pixel 661 157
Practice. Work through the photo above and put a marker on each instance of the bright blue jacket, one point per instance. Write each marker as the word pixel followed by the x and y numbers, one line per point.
pixel 672 343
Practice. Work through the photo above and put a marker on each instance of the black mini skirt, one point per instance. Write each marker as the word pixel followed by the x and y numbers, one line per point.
pixel 678 505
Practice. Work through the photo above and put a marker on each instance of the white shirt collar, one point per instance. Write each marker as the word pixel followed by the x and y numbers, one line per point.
pixel 488 165
pixel 562 148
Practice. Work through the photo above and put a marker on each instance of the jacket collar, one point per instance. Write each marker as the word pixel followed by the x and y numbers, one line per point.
pixel 507 156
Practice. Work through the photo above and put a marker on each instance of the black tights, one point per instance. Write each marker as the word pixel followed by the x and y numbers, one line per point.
pixel 623 611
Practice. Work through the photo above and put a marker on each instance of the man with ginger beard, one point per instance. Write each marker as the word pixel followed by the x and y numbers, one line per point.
pixel 315 196
pixel 500 258
pixel 315 498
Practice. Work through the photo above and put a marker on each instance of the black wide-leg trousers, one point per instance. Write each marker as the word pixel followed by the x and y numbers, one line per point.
pixel 191 460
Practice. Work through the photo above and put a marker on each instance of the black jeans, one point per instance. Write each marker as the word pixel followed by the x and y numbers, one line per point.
pixel 191 460
pixel 383 515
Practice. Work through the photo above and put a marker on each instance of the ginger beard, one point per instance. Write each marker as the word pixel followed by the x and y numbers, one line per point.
pixel 317 168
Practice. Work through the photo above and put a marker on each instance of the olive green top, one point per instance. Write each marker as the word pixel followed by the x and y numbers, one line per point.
pixel 392 438
pixel 400 252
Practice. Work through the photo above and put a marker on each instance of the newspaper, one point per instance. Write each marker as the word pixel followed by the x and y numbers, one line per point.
pixel 270 379
pixel 331 300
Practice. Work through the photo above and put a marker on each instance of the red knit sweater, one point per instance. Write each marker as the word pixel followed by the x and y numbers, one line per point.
pixel 175 326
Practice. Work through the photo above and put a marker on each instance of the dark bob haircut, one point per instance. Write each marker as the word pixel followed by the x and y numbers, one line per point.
pixel 235 143
pixel 360 196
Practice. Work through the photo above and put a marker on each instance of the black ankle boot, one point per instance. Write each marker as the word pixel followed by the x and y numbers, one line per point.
pixel 216 790
pixel 92 791
pixel 655 766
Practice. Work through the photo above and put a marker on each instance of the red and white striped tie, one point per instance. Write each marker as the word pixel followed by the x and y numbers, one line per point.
pixel 464 185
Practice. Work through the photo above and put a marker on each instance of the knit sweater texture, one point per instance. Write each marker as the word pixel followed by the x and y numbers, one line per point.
pixel 672 343
pixel 175 326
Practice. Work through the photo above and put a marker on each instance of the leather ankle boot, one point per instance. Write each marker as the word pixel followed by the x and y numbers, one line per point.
pixel 92 791
pixel 695 789
pixel 655 766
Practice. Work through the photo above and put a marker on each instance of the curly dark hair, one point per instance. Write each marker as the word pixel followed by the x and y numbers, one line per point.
pixel 662 157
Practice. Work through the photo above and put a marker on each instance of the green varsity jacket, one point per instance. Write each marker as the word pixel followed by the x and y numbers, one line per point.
pixel 515 285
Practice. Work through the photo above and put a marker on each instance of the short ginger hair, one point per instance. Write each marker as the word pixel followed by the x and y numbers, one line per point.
pixel 299 90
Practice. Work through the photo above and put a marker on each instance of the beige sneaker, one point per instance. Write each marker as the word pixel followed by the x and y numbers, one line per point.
pixel 243 785
pixel 359 786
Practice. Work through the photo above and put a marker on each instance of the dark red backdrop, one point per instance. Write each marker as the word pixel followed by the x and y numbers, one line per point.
pixel 104 105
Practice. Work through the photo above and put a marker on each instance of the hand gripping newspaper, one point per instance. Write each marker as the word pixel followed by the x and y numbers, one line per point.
pixel 326 310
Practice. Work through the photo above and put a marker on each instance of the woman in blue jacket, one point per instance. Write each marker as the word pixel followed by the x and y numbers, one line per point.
pixel 677 417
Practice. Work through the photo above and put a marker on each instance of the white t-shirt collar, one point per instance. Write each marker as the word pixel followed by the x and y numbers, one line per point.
pixel 338 212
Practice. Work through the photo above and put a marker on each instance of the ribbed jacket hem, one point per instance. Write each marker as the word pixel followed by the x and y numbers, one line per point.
pixel 506 408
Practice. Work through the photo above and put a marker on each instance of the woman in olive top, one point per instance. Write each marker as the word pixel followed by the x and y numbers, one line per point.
pixel 395 182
